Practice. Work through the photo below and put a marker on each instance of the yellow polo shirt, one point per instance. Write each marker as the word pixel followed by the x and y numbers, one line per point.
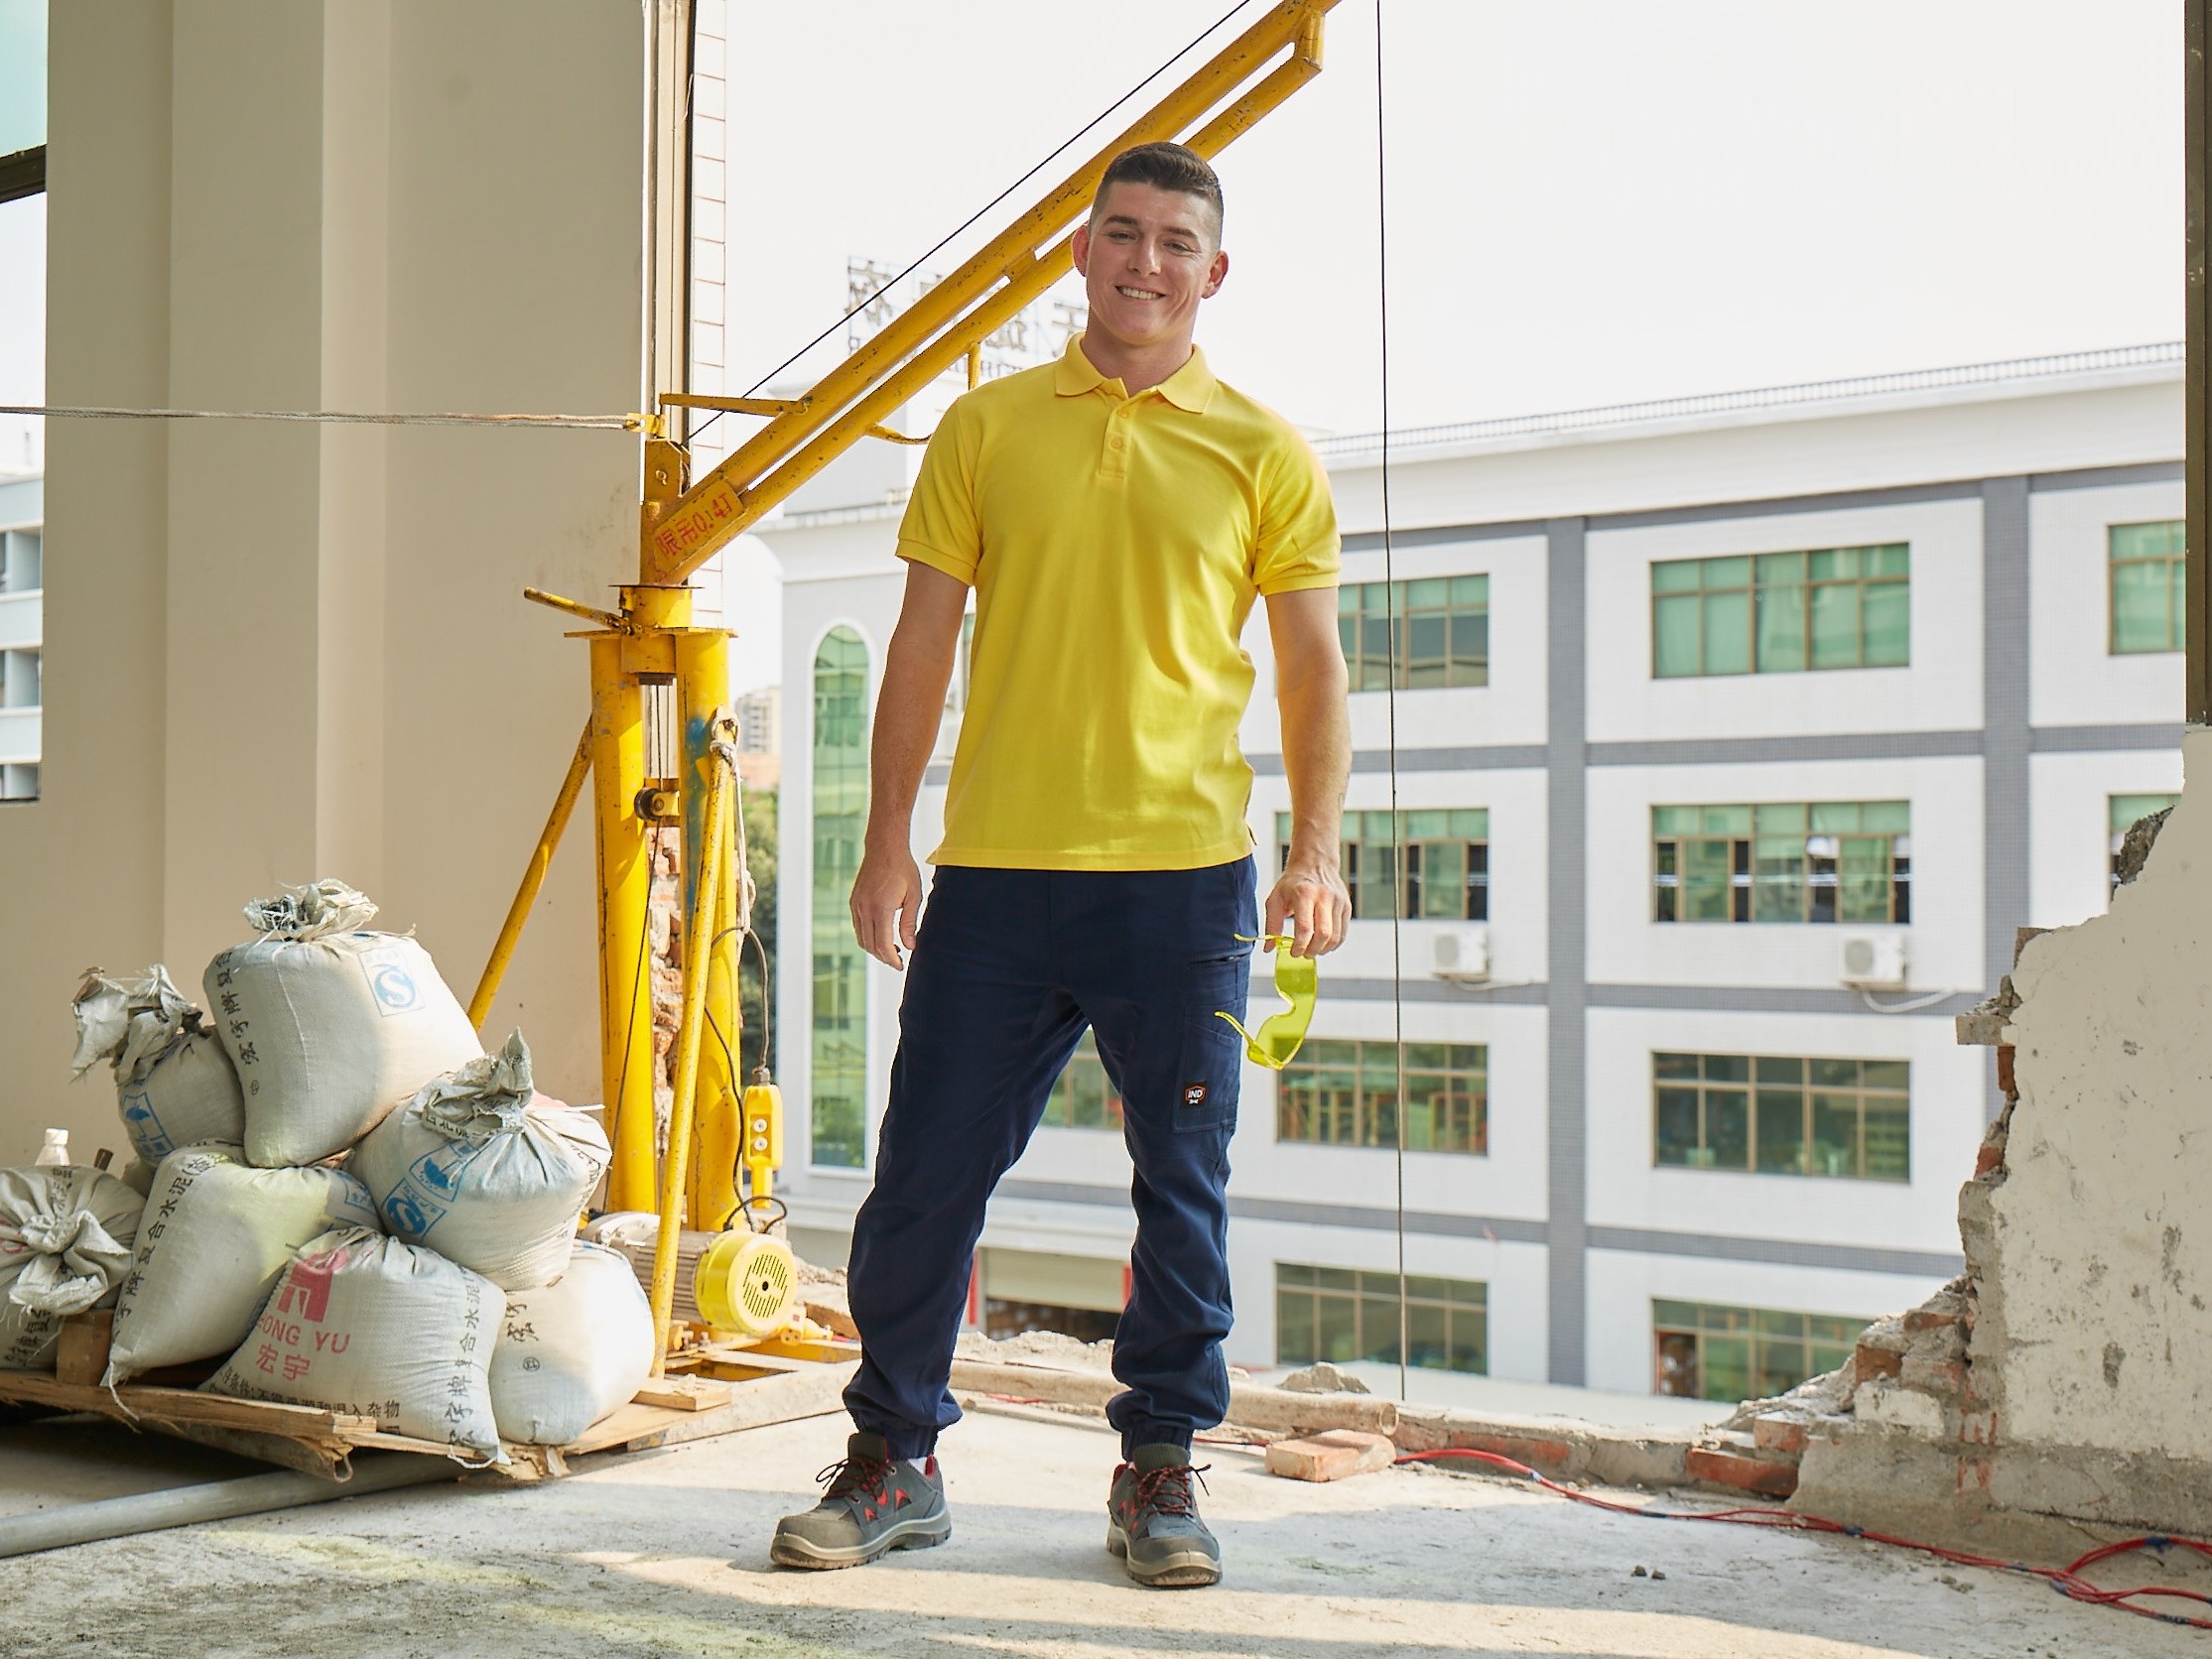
pixel 1116 544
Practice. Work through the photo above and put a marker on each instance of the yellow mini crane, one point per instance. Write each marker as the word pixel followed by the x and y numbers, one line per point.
pixel 658 748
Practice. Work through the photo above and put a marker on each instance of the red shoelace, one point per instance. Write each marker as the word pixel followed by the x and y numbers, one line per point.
pixel 1168 1490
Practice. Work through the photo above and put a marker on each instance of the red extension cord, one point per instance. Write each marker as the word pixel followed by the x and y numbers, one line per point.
pixel 2068 1580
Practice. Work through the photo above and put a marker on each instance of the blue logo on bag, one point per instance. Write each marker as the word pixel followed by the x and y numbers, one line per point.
pixel 390 983
pixel 394 989
pixel 143 1128
pixel 427 1189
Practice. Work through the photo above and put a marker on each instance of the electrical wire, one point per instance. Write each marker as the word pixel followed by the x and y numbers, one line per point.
pixel 938 247
pixel 1391 689
pixel 1910 1007
pixel 330 417
pixel 767 1031
pixel 2068 1580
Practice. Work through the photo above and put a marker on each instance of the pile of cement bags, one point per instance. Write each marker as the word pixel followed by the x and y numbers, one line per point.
pixel 348 1204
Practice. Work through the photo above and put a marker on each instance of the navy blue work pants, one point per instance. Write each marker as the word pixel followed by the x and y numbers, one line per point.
pixel 1008 969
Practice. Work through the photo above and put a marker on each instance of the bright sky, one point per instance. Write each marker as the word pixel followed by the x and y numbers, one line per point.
pixel 1590 200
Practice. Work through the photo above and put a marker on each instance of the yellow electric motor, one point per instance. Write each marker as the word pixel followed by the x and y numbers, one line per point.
pixel 747 1284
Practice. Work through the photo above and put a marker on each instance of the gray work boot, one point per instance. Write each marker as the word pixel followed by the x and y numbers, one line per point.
pixel 873 1503
pixel 1152 1521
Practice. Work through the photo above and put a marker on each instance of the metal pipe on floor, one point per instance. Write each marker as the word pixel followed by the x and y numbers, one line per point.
pixel 216 1500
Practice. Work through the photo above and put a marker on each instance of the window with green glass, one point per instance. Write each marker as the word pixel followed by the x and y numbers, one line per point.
pixel 1782 612
pixel 2124 811
pixel 840 1047
pixel 1773 1114
pixel 1345 1315
pixel 2149 585
pixel 1826 861
pixel 1346 1093
pixel 1084 1097
pixel 1442 628
pixel 1707 1353
pixel 1443 875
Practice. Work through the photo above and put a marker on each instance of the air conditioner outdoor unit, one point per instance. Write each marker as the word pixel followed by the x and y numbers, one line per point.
pixel 1461 954
pixel 1872 962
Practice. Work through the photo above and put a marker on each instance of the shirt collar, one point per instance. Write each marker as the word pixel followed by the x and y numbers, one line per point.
pixel 1190 387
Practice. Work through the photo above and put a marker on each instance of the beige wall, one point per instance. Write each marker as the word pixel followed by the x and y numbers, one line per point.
pixel 280 652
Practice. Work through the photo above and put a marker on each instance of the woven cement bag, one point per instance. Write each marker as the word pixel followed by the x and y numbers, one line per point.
pixel 65 1234
pixel 173 1083
pixel 370 1327
pixel 217 1234
pixel 485 1170
pixel 572 1350
pixel 329 1027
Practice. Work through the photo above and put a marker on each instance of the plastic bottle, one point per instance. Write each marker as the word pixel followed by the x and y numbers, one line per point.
pixel 56 1149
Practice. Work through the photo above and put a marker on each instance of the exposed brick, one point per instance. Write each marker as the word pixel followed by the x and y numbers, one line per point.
pixel 1332 1456
pixel 1742 1473
pixel 1773 1431
pixel 1869 1362
pixel 1934 1376
pixel 1990 1156
pixel 1551 1456
pixel 1932 1318
pixel 2005 1082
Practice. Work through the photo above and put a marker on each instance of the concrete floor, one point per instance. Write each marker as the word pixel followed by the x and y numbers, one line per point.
pixel 665 1553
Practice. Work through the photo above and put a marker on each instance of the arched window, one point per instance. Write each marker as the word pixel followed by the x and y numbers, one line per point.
pixel 840 805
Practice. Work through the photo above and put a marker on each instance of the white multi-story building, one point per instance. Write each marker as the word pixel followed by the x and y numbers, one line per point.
pixel 1733 738
pixel 22 633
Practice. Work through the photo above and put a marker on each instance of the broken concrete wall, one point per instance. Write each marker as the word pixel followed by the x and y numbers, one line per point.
pixel 2068 1373
pixel 2095 1308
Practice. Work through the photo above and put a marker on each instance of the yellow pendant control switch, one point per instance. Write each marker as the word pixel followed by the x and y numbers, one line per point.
pixel 762 1152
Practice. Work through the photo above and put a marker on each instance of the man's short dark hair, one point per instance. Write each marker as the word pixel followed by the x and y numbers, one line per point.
pixel 1165 166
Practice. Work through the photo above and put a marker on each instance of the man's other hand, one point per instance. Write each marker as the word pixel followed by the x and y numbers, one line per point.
pixel 887 903
pixel 1311 902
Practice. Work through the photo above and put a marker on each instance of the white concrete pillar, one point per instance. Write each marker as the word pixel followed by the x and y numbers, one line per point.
pixel 275 651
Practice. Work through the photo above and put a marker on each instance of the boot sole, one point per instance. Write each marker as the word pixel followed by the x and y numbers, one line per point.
pixel 923 1534
pixel 1183 1570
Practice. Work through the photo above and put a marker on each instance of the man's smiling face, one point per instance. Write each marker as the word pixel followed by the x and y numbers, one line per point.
pixel 1148 256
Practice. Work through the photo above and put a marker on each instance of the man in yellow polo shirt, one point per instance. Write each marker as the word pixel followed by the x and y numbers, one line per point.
pixel 1118 513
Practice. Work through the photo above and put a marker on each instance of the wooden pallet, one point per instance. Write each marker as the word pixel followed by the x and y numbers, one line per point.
pixel 712 1390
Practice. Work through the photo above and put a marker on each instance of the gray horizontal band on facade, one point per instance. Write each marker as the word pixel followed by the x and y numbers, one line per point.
pixel 1723 751
pixel 1828 501
pixel 1361 1218
pixel 1494 757
pixel 1370 541
pixel 1724 999
pixel 2106 478
pixel 1891 495
pixel 1777 1253
pixel 1420 986
pixel 2094 739
pixel 1835 745
pixel 1773 1000
pixel 938 776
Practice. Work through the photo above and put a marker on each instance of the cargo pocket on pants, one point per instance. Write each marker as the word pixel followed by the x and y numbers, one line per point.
pixel 1210 1069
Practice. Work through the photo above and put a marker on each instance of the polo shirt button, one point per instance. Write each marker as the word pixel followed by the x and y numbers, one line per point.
pixel 1118 443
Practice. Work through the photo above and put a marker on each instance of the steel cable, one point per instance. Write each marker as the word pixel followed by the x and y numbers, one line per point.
pixel 939 246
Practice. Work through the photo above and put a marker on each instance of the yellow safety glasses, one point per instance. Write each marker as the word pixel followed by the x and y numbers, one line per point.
pixel 1298 983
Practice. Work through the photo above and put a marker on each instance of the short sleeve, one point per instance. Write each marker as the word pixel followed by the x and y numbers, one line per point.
pixel 1297 546
pixel 942 527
